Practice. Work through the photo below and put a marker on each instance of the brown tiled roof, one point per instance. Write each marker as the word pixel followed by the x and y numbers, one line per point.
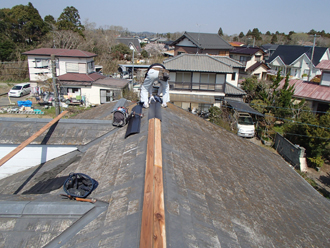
pixel 60 52
pixel 79 77
pixel 324 65
pixel 256 65
pixel 309 90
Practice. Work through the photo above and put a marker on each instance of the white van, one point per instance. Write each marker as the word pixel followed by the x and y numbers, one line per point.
pixel 245 125
pixel 20 90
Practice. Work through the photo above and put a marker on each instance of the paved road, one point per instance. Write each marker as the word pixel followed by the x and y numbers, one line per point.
pixel 4 101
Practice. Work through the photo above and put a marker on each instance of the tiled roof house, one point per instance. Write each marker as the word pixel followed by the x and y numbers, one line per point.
pixel 201 43
pixel 75 71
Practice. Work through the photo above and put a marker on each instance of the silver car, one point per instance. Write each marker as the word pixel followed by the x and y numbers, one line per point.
pixel 20 90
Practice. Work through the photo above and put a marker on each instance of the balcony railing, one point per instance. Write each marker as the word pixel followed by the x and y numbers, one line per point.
pixel 195 86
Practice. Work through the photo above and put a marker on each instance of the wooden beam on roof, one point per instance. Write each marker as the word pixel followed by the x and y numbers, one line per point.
pixel 32 138
pixel 147 211
pixel 153 231
pixel 159 211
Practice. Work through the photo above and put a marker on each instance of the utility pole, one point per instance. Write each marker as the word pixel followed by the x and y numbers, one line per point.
pixel 312 57
pixel 57 105
pixel 133 70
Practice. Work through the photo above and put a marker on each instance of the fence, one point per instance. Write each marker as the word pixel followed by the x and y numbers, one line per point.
pixel 290 152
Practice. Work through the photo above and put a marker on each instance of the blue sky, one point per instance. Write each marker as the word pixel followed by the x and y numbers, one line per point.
pixel 205 16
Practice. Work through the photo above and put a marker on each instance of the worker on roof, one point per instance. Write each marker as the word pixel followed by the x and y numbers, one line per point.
pixel 155 72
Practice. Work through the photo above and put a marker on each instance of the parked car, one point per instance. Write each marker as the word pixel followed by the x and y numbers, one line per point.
pixel 245 125
pixel 20 90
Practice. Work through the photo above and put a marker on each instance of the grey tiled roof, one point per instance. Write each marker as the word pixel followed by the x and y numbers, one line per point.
pixel 219 190
pixel 229 61
pixel 205 41
pixel 233 90
pixel 197 62
pixel 127 41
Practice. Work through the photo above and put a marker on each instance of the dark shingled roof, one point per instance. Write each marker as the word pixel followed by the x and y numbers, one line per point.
pixel 256 65
pixel 246 50
pixel 289 53
pixel 205 41
pixel 220 190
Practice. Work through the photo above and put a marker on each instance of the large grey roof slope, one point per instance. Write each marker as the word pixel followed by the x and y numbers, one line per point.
pixel 197 62
pixel 205 41
pixel 220 190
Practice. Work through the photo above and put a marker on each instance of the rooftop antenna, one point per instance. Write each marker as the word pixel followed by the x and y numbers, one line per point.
pixel 199 31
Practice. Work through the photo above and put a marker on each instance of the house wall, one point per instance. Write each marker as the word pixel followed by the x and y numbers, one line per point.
pixel 258 72
pixel 326 56
pixel 63 61
pixel 42 74
pixel 39 74
pixel 253 59
pixel 93 95
pixel 229 77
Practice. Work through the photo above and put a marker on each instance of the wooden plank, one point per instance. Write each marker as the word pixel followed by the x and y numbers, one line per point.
pixel 32 138
pixel 147 211
pixel 159 211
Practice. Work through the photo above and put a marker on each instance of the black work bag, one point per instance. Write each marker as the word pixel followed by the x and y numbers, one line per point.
pixel 79 185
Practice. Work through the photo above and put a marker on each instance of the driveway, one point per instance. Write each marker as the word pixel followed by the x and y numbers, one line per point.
pixel 5 101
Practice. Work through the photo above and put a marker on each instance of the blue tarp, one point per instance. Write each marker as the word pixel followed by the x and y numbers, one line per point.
pixel 27 103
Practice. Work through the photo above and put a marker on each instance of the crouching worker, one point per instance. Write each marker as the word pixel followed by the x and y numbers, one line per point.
pixel 155 72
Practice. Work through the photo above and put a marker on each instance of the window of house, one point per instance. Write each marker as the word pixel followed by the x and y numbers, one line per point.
pixel 233 76
pixel 183 76
pixel 74 91
pixel 90 67
pixel 244 58
pixel 207 78
pixel 41 63
pixel 258 58
pixel 106 96
pixel 72 67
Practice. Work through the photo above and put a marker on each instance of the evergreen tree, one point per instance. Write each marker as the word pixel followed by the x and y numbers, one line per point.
pixel 241 35
pixel 274 39
pixel 70 20
pixel 220 33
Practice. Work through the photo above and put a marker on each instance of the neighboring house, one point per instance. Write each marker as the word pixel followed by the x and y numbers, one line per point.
pixel 317 96
pixel 324 66
pixel 75 71
pixel 296 60
pixel 247 55
pixel 259 69
pixel 67 61
pixel 93 89
pixel 199 81
pixel 201 43
pixel 132 43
